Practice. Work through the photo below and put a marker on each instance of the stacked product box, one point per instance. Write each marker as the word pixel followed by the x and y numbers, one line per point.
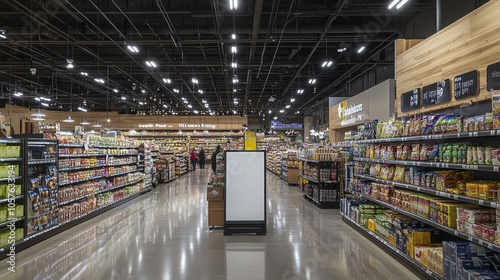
pixel 465 260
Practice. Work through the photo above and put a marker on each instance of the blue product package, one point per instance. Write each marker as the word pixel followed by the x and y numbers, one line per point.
pixel 458 250
pixel 453 270
pixel 473 273
pixel 488 277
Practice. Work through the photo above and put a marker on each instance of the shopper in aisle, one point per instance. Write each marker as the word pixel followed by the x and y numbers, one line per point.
pixel 214 158
pixel 201 156
pixel 193 159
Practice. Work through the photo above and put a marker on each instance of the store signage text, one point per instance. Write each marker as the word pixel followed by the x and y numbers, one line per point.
pixel 156 125
pixel 185 125
pixel 354 109
pixel 352 120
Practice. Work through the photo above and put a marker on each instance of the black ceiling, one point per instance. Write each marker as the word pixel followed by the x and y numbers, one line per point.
pixel 281 44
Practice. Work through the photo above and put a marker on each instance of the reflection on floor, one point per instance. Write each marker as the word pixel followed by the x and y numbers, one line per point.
pixel 164 234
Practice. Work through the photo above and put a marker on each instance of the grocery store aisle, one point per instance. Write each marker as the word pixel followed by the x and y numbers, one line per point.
pixel 164 234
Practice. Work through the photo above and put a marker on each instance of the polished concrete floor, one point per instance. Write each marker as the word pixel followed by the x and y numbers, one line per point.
pixel 164 234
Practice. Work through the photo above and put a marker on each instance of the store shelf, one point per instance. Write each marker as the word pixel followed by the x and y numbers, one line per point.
pixel 118 174
pixel 80 168
pixel 415 265
pixel 316 181
pixel 5 200
pixel 8 222
pixel 81 180
pixel 10 159
pixel 118 164
pixel 83 155
pixel 463 198
pixel 322 205
pixel 104 206
pixel 112 147
pixel 71 145
pixel 455 232
pixel 41 161
pixel 12 178
pixel 98 192
pixel 473 167
pixel 462 135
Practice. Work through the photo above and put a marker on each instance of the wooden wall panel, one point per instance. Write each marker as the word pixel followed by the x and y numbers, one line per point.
pixel 468 44
pixel 16 114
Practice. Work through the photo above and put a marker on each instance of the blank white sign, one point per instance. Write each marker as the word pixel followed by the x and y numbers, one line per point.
pixel 245 186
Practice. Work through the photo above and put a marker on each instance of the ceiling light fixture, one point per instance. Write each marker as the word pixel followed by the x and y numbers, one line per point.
pixel 233 36
pixel 37 99
pixel 3 34
pixel 204 101
pixel 176 90
pixel 141 103
pixel 45 104
pixel 167 81
pixel 84 74
pixel 270 111
pixel 96 125
pixel 115 90
pixel 233 4
pixel 101 81
pixel 133 49
pixel 194 81
pixel 235 80
pixel 207 106
pixel 38 114
pixel 18 94
pixel 190 106
pixel 45 98
pixel 312 81
pixel 234 112
pixel 329 63
pixel 85 122
pixel 235 102
pixel 234 65
pixel 341 50
pixel 200 91
pixel 234 49
pixel 38 119
pixel 401 4
pixel 151 64
pixel 282 111
pixel 298 112
pixel 275 118
pixel 69 120
pixel 108 120
pixel 234 90
pixel 300 91
pixel 82 109
pixel 143 91
pixel 361 49
pixel 196 112
pixel 124 98
pixel 165 106
pixel 292 100
pixel 287 106
pixel 185 101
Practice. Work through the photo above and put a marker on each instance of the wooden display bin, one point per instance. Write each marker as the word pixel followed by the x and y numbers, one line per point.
pixel 293 175
pixel 215 197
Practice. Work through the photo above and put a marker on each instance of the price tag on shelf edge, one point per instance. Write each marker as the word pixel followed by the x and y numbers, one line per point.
pixel 470 238
pixel 490 246
pixel 481 202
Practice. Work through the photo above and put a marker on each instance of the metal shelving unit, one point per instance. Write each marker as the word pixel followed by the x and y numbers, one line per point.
pixel 320 185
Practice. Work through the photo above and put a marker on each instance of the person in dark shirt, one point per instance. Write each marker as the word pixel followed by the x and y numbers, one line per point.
pixel 201 156
pixel 214 158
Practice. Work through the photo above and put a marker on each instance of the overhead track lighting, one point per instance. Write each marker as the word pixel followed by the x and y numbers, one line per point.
pixel 196 112
pixel 190 106
pixel 300 91
pixel 141 103
pixel 84 74
pixel 312 81
pixel 275 118
pixel 45 98
pixel 401 4
pixel 327 63
pixel 200 91
pixel 167 81
pixel 287 106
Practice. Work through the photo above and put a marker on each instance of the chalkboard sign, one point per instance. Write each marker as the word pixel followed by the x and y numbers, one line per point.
pixel 466 85
pixel 436 93
pixel 493 80
pixel 411 100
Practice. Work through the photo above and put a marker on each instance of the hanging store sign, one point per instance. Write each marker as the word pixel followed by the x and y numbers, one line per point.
pixel 250 141
pixel 411 100
pixel 466 85
pixel 155 125
pixel 493 77
pixel 436 93
pixel 185 125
